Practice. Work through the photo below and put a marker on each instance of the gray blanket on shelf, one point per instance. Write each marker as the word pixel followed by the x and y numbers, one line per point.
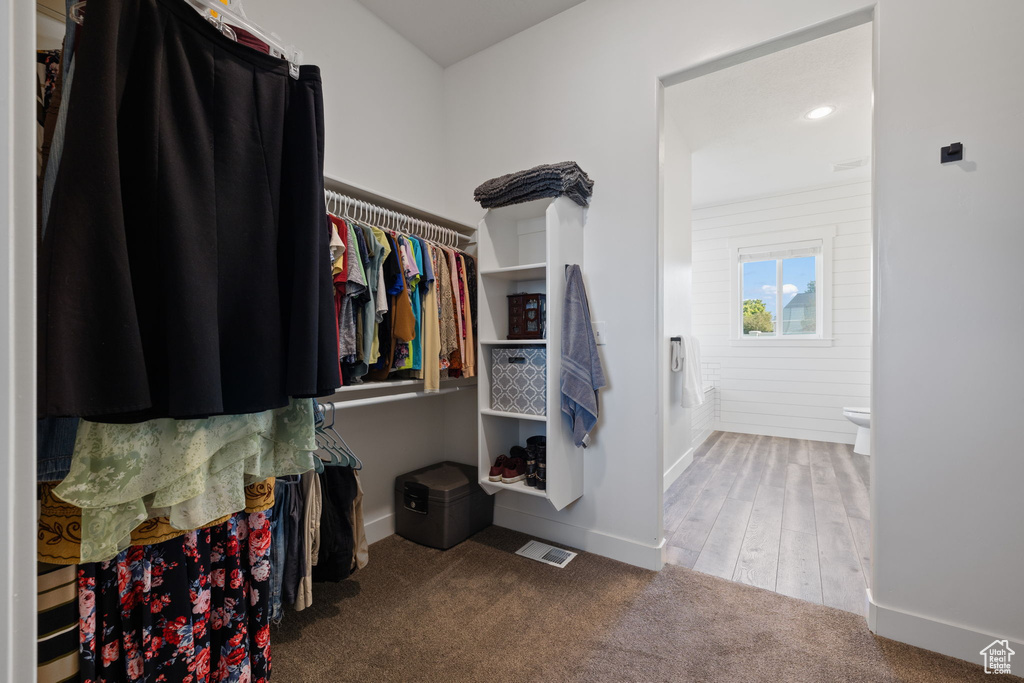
pixel 581 375
pixel 548 180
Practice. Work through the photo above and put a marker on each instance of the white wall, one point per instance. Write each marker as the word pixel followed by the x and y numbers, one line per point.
pixel 675 263
pixel 395 438
pixel 382 96
pixel 584 86
pixel 948 476
pixel 795 392
pixel 947 514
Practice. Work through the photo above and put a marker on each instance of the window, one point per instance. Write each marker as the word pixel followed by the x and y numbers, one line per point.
pixel 781 291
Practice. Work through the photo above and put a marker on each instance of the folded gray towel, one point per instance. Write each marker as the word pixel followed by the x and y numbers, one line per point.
pixel 548 180
pixel 581 375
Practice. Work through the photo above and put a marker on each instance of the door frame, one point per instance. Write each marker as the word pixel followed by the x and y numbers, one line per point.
pixel 867 15
pixel 18 342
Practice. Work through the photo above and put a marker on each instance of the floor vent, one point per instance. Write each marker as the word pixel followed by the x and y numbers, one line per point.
pixel 548 554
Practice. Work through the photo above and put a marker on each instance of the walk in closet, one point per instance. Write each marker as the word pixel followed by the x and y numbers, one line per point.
pixel 238 352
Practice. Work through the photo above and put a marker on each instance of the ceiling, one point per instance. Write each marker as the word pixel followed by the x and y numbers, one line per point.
pixel 451 30
pixel 746 128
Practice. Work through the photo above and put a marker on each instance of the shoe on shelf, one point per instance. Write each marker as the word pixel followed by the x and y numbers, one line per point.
pixel 531 468
pixel 538 449
pixel 515 470
pixel 522 454
pixel 498 469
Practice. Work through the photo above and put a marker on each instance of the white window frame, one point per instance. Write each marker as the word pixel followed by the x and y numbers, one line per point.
pixel 779 241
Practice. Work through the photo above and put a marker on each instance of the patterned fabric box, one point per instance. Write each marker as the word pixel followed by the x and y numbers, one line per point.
pixel 519 380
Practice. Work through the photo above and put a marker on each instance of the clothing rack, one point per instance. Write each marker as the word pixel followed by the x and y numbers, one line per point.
pixel 345 206
pixel 467 232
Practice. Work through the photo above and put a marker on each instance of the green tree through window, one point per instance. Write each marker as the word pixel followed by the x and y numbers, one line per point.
pixel 756 317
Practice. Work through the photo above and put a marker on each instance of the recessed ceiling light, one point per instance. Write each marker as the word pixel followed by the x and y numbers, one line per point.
pixel 819 112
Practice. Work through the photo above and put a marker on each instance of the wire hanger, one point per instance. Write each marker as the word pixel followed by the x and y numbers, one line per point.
pixel 372 215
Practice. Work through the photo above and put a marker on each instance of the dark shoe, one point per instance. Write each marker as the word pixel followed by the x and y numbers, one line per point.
pixel 538 440
pixel 515 471
pixel 537 447
pixel 498 469
pixel 531 467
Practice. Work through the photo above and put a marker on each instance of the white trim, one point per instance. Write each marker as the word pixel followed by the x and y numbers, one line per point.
pixel 380 528
pixel 614 547
pixel 780 341
pixel 823 271
pixel 674 472
pixel 18 342
pixel 931 634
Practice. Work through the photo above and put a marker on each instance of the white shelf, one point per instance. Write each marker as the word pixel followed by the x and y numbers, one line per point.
pixel 514 342
pixel 518 487
pixel 531 271
pixel 394 386
pixel 513 416
pixel 523 248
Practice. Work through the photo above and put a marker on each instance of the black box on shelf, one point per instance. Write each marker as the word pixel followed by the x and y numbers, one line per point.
pixel 441 505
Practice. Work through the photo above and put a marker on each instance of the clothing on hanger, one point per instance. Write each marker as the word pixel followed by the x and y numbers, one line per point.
pixel 181 609
pixel 159 283
pixel 191 471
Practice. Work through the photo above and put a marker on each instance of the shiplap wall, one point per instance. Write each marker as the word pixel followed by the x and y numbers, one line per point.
pixel 796 392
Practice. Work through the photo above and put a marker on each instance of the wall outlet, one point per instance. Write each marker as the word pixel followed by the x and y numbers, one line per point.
pixel 600 333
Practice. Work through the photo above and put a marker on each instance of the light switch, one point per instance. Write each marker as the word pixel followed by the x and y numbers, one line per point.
pixel 600 333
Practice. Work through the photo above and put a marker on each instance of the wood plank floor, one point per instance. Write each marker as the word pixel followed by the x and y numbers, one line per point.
pixel 786 515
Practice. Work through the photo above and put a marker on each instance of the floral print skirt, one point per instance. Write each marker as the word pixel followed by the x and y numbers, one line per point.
pixel 194 609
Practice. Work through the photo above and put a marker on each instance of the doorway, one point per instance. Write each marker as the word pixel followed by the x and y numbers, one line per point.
pixel 768 233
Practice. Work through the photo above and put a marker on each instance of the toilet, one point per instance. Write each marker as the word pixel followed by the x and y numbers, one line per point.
pixel 862 418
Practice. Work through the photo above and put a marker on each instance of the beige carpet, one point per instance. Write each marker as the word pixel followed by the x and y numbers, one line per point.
pixel 479 613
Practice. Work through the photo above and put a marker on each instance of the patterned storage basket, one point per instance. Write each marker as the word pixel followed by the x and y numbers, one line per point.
pixel 519 380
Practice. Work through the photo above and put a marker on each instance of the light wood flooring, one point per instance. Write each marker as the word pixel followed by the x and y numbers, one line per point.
pixel 787 515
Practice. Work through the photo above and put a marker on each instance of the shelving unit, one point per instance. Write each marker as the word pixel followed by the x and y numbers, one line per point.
pixel 525 248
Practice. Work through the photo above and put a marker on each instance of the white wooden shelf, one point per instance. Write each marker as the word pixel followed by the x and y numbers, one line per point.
pixel 540 238
pixel 531 271
pixel 514 342
pixel 513 416
pixel 393 386
pixel 518 487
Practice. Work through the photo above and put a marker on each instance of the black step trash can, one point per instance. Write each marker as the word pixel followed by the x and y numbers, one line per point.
pixel 441 505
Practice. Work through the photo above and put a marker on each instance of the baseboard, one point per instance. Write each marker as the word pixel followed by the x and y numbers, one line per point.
pixel 673 472
pixel 380 528
pixel 614 547
pixel 931 634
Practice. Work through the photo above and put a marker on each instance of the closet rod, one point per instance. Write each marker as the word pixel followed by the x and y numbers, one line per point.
pixel 343 205
pixel 395 397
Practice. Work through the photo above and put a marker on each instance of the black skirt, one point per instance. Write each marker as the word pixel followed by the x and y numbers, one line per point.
pixel 186 270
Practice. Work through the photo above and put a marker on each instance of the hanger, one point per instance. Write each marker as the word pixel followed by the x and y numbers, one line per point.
pixel 339 451
pixel 371 215
pixel 352 459
pixel 224 15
